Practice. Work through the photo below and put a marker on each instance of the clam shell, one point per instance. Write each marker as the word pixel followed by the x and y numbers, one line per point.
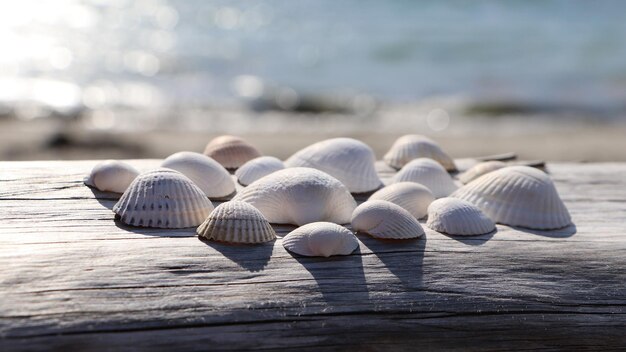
pixel 236 222
pixel 299 196
pixel 480 169
pixel 458 217
pixel 346 159
pixel 320 239
pixel 257 168
pixel 111 176
pixel 518 196
pixel 212 178
pixel 428 173
pixel 163 198
pixel 411 196
pixel 383 219
pixel 413 146
pixel 231 151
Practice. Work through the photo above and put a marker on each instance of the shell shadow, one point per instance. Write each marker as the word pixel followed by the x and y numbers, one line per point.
pixel 106 199
pixel 156 232
pixel 565 232
pixel 251 257
pixel 472 240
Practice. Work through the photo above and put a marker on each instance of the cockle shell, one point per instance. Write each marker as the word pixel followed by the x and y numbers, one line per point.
pixel 517 196
pixel 411 196
pixel 236 222
pixel 383 219
pixel 346 159
pixel 212 178
pixel 428 173
pixel 257 168
pixel 413 146
pixel 231 151
pixel 163 198
pixel 111 176
pixel 455 216
pixel 321 239
pixel 299 196
pixel 480 169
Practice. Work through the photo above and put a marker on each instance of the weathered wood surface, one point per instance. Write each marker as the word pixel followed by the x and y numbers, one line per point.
pixel 72 278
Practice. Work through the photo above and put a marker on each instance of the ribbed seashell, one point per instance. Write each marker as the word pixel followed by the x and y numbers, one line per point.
pixel 455 216
pixel 480 169
pixel 413 146
pixel 299 196
pixel 346 159
pixel 111 176
pixel 428 173
pixel 212 178
pixel 412 196
pixel 231 151
pixel 321 239
pixel 257 168
pixel 383 219
pixel 236 222
pixel 517 196
pixel 163 198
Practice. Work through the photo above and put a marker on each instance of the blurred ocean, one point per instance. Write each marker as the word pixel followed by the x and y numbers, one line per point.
pixel 135 64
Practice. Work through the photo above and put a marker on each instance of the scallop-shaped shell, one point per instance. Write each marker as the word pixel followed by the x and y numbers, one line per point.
pixel 111 176
pixel 458 217
pixel 413 197
pixel 480 169
pixel 212 178
pixel 163 198
pixel 257 168
pixel 428 173
pixel 231 151
pixel 413 146
pixel 346 159
pixel 236 222
pixel 300 196
pixel 517 196
pixel 383 219
pixel 321 239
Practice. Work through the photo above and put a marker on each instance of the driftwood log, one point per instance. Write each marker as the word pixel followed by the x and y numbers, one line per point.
pixel 72 278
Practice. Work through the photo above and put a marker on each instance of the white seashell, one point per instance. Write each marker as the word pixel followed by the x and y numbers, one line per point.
pixel 480 169
pixel 457 217
pixel 413 197
pixel 383 219
pixel 517 196
pixel 236 222
pixel 212 178
pixel 428 173
pixel 257 168
pixel 111 176
pixel 321 239
pixel 299 196
pixel 346 159
pixel 163 198
pixel 231 151
pixel 413 146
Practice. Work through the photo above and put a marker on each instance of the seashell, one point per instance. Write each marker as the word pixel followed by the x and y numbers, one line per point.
pixel 517 196
pixel 428 173
pixel 212 178
pixel 236 222
pixel 111 176
pixel 413 146
pixel 163 198
pixel 231 151
pixel 299 196
pixel 257 168
pixel 383 219
pixel 480 169
pixel 457 217
pixel 321 239
pixel 346 159
pixel 411 196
